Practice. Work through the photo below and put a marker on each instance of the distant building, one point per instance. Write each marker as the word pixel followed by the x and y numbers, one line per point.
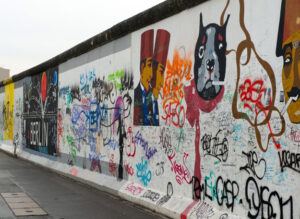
pixel 4 74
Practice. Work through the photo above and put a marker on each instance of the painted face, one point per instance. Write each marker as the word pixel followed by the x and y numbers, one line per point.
pixel 291 75
pixel 210 60
pixel 159 80
pixel 146 73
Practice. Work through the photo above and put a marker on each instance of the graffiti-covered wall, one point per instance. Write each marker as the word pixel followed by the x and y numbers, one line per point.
pixel 94 109
pixel 40 112
pixel 203 106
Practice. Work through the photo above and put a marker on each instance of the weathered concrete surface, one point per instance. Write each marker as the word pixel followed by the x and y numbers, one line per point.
pixel 59 196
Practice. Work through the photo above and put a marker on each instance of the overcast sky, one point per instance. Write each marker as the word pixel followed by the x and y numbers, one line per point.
pixel 33 31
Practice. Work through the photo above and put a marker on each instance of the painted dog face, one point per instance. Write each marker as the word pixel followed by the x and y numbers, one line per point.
pixel 210 60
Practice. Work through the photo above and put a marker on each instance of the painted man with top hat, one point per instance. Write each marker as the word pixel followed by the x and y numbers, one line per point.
pixel 158 66
pixel 147 91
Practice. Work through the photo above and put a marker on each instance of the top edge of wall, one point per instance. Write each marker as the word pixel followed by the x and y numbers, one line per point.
pixel 145 18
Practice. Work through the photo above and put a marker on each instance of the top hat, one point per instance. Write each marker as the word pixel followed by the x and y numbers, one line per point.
pixel 161 46
pixel 289 22
pixel 147 44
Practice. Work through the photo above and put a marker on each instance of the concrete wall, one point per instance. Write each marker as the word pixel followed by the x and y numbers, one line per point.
pixel 196 115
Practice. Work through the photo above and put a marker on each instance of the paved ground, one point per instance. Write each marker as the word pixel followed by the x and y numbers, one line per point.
pixel 61 197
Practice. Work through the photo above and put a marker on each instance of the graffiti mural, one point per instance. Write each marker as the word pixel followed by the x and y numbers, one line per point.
pixel 8 112
pixel 92 122
pixel 206 90
pixel 210 62
pixel 204 124
pixel 251 92
pixel 177 74
pixel 40 112
pixel 152 68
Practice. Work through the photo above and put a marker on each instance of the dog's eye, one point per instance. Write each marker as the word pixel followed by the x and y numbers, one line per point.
pixel 201 52
pixel 220 46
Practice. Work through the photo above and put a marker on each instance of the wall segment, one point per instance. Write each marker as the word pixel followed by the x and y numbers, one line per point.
pixel 194 114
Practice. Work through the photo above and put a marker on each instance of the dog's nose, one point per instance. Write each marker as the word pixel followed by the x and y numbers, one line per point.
pixel 210 64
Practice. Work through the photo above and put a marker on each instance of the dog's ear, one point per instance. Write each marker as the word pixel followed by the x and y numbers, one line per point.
pixel 226 22
pixel 201 22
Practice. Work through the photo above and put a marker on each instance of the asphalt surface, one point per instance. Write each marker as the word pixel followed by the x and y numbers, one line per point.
pixel 59 196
